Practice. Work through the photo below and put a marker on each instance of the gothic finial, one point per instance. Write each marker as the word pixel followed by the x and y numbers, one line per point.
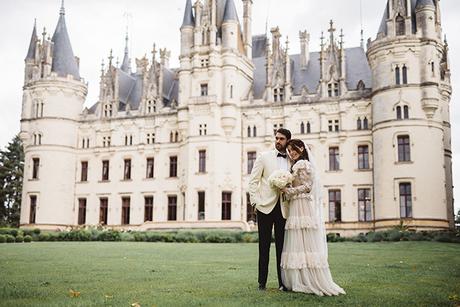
pixel 154 52
pixel 44 33
pixel 110 58
pixel 322 40
pixel 62 11
pixel 331 31
pixel 341 38
pixel 362 39
pixel 445 39
pixel 117 62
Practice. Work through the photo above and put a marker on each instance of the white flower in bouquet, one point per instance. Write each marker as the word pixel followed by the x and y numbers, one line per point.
pixel 280 179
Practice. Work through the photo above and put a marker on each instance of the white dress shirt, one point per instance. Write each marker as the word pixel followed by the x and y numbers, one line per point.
pixel 282 163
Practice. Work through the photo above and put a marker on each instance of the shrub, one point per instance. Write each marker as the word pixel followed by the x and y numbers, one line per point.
pixel 250 237
pixel 140 237
pixel 374 237
pixel 186 237
pixel 37 231
pixel 2 238
pixel 44 237
pixel 109 235
pixel 395 235
pixel 127 236
pixel 28 239
pixel 19 239
pixel 10 239
pixel 360 238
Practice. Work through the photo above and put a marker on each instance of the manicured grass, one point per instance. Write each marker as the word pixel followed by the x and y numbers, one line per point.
pixel 162 274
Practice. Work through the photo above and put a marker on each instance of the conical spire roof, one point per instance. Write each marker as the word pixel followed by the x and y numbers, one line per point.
pixel 230 11
pixel 125 66
pixel 189 20
pixel 33 43
pixel 64 62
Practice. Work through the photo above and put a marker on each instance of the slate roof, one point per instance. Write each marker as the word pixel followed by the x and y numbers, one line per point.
pixel 189 20
pixel 64 62
pixel 32 44
pixel 357 68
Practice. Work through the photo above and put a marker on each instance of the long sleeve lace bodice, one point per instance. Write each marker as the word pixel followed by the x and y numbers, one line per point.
pixel 303 180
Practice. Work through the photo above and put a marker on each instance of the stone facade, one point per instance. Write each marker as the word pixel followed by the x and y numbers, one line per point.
pixel 168 148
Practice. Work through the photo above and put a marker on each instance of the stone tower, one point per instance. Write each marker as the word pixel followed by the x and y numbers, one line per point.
pixel 411 131
pixel 215 75
pixel 53 100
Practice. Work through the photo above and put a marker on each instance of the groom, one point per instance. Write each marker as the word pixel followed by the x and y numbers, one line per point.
pixel 267 201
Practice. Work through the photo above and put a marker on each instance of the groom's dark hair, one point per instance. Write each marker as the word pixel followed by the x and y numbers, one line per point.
pixel 284 132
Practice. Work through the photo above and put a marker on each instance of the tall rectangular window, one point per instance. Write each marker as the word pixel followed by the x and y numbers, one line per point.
pixel 405 200
pixel 364 205
pixel 173 166
pixel 105 170
pixel 127 170
pixel 33 209
pixel 334 162
pixel 204 89
pixel 403 148
pixel 103 210
pixel 35 167
pixel 84 171
pixel 149 170
pixel 148 209
pixel 226 206
pixel 172 208
pixel 81 211
pixel 250 210
pixel 252 155
pixel 201 206
pixel 363 157
pixel 125 210
pixel 202 161
pixel 335 209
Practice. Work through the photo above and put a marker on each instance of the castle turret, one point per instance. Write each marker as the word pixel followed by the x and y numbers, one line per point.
pixel 410 103
pixel 230 27
pixel 52 103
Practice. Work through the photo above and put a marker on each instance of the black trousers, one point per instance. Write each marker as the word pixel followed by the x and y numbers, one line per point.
pixel 265 224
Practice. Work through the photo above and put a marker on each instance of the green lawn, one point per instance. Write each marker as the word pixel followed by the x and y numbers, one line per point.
pixel 162 274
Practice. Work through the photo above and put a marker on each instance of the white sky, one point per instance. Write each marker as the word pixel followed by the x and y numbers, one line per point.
pixel 96 26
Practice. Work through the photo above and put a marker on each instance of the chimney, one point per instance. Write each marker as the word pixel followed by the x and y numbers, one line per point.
pixel 304 50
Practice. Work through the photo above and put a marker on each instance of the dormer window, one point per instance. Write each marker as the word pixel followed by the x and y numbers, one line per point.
pixel 151 106
pixel 108 110
pixel 278 94
pixel 400 25
pixel 333 89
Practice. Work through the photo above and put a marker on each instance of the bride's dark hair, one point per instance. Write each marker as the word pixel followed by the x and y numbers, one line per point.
pixel 298 145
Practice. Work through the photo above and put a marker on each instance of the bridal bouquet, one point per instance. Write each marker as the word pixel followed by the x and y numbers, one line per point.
pixel 280 179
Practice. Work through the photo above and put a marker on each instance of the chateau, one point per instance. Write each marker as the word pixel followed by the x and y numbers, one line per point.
pixel 169 148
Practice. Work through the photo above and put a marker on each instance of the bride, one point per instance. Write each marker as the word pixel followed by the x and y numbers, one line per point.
pixel 304 264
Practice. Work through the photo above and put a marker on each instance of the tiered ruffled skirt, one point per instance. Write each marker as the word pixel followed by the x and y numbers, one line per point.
pixel 303 267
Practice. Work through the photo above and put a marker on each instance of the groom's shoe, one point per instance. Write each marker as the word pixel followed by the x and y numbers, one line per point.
pixel 283 288
pixel 262 287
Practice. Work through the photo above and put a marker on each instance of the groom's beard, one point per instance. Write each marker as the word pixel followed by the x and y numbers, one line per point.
pixel 280 148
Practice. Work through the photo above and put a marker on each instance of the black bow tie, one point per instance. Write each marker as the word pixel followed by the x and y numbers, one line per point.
pixel 282 155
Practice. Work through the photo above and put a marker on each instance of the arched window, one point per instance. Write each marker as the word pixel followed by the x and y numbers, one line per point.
pixel 398 112
pixel 398 75
pixel 365 123
pixel 358 124
pixel 231 91
pixel 406 112
pixel 404 74
pixel 302 128
pixel 249 131
pixel 308 127
pixel 171 137
pixel 254 131
pixel 400 25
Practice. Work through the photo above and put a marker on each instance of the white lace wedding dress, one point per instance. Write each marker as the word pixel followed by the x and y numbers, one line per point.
pixel 304 264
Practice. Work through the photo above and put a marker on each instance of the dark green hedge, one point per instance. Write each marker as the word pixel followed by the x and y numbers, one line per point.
pixel 10 235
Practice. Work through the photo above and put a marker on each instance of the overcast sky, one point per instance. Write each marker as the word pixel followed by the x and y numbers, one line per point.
pixel 96 26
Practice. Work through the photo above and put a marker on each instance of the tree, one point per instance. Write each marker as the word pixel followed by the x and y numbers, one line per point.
pixel 11 175
pixel 457 220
